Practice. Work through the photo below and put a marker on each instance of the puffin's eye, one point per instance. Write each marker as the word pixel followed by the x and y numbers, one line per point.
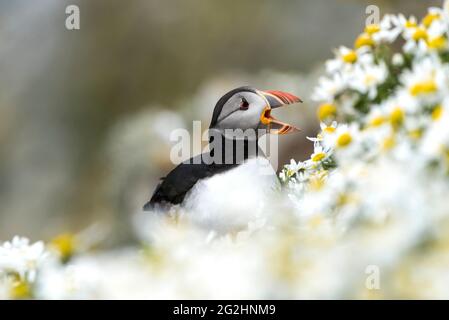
pixel 244 105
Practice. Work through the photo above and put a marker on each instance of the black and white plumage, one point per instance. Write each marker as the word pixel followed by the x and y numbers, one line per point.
pixel 242 108
pixel 173 188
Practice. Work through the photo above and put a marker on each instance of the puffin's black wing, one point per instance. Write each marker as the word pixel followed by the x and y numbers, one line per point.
pixel 173 188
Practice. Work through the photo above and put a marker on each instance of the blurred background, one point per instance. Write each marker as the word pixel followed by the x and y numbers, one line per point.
pixel 85 115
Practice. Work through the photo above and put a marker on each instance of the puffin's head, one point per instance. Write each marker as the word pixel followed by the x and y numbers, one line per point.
pixel 248 108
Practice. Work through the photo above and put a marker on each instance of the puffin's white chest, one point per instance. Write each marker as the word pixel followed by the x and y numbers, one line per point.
pixel 228 201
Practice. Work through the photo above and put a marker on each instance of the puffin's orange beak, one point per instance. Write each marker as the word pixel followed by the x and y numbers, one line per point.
pixel 276 99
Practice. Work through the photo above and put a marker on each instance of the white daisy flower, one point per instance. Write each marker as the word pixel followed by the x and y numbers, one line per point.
pixel 346 58
pixel 427 81
pixel 328 88
pixel 376 117
pixel 325 130
pixel 367 77
pixel 402 23
pixel 344 136
pixel 320 153
pixel 434 15
pixel 435 143
pixel 18 256
pixel 385 32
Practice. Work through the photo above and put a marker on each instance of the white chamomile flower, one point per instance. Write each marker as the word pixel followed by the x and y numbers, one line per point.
pixel 378 141
pixel 385 32
pixel 328 88
pixel 415 35
pixel 343 137
pixel 395 111
pixel 432 40
pixel 427 80
pixel 320 154
pixel 375 118
pixel 18 256
pixel 435 142
pixel 434 15
pixel 328 129
pixel 294 167
pixel 325 130
pixel 430 35
pixel 404 24
pixel 367 77
pixel 346 58
pixel 437 36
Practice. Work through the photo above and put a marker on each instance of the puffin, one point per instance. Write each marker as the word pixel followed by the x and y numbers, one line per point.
pixel 234 158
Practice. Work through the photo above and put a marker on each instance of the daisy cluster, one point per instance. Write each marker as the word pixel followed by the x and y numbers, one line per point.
pixel 380 164
pixel 19 262
pixel 60 269
pixel 386 98
pixel 381 159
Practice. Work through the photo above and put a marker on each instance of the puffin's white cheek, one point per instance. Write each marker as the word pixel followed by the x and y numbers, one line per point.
pixel 240 120
pixel 248 122
pixel 250 119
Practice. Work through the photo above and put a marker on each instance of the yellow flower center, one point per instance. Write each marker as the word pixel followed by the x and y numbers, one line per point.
pixel 377 121
pixel 389 143
pixel 344 139
pixel 424 87
pixel 326 111
pixel 437 113
pixel 318 156
pixel 343 199
pixel 420 34
pixel 65 245
pixel 415 134
pixel 290 173
pixel 437 43
pixel 350 57
pixel 372 28
pixel 429 19
pixel 410 24
pixel 20 290
pixel 363 40
pixel 316 221
pixel 329 129
pixel 317 181
pixel 369 79
pixel 397 117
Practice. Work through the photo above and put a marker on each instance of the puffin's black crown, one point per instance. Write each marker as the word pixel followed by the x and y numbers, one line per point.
pixel 222 101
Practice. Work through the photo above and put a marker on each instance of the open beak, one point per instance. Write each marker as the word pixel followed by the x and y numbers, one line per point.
pixel 276 99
